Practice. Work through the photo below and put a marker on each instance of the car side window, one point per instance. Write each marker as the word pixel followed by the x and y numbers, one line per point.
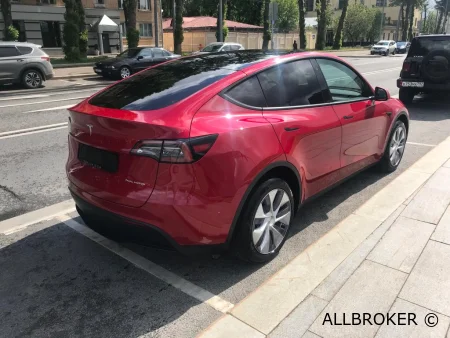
pixel 146 53
pixel 166 53
pixel 24 50
pixel 235 47
pixel 158 53
pixel 291 84
pixel 226 48
pixel 343 83
pixel 248 92
pixel 8 51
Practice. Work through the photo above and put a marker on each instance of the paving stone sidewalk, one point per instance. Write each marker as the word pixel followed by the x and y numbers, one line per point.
pixel 402 268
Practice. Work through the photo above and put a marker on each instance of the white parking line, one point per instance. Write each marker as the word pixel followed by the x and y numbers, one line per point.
pixel 23 97
pixel 48 109
pixel 422 144
pixel 19 131
pixel 49 101
pixel 177 282
pixel 31 132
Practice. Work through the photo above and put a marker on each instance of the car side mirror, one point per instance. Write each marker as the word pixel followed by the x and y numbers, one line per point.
pixel 140 57
pixel 381 94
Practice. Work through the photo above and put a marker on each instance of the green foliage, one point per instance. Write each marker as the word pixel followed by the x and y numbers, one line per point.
pixel 358 23
pixel 375 17
pixel 12 34
pixel 430 24
pixel 71 32
pixel 224 27
pixel 288 12
pixel 83 42
pixel 132 37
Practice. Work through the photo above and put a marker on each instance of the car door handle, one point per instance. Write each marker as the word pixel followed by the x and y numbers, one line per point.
pixel 348 117
pixel 291 128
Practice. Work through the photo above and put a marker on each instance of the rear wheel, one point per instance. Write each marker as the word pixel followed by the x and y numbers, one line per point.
pixel 406 95
pixel 32 79
pixel 264 225
pixel 396 147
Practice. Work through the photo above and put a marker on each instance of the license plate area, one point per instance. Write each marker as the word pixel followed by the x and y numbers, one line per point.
pixel 98 158
pixel 412 84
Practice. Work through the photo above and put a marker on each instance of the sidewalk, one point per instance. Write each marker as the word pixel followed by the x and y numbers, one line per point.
pixel 389 259
pixel 83 72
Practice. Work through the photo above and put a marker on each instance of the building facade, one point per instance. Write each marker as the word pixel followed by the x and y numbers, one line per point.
pixel 392 15
pixel 42 22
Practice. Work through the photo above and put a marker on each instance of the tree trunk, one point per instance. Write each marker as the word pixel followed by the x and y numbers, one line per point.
pixel 425 19
pixel 411 22
pixel 266 34
pixel 178 29
pixel 321 24
pixel 444 25
pixel 129 11
pixel 405 21
pixel 7 16
pixel 438 26
pixel 337 44
pixel 400 17
pixel 224 14
pixel 301 23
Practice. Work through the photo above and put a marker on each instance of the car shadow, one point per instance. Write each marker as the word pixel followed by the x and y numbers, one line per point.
pixel 430 107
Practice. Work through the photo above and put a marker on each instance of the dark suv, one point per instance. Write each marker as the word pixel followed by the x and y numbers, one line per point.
pixel 426 67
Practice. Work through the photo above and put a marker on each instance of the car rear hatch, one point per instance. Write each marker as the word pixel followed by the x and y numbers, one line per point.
pixel 118 137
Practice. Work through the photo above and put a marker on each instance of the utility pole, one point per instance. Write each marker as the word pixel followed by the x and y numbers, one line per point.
pixel 155 22
pixel 220 21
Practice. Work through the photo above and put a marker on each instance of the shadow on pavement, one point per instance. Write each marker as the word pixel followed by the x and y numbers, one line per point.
pixel 430 107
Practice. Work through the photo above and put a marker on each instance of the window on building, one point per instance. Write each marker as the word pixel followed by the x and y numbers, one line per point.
pixel 389 36
pixel 341 4
pixel 51 34
pixel 144 5
pixel 20 26
pixel 47 2
pixel 415 22
pixel 124 29
pixel 100 2
pixel 381 3
pixel 120 3
pixel 145 30
pixel 310 5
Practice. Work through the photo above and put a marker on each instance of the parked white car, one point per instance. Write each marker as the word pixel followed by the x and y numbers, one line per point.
pixel 220 47
pixel 384 47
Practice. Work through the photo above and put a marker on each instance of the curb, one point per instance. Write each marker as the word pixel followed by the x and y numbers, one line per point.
pixel 73 65
pixel 78 76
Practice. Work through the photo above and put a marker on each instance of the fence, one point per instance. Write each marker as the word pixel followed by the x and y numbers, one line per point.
pixel 194 41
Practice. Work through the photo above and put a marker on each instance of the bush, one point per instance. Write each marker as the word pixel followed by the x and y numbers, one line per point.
pixel 83 42
pixel 71 42
pixel 12 34
pixel 132 37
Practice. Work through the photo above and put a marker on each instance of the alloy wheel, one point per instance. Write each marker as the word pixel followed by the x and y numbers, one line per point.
pixel 124 72
pixel 33 79
pixel 271 221
pixel 397 146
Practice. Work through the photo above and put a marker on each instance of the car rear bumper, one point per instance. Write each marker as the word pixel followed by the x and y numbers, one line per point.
pixel 123 218
pixel 427 86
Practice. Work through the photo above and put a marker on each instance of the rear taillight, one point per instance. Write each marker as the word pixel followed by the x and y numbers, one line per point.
pixel 46 58
pixel 406 66
pixel 175 151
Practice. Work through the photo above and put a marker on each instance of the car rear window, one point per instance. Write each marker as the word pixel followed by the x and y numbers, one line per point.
pixel 161 86
pixel 248 92
pixel 423 46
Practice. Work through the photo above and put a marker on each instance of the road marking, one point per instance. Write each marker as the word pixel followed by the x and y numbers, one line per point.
pixel 49 101
pixel 382 71
pixel 21 222
pixel 23 97
pixel 18 131
pixel 422 144
pixel 32 132
pixel 169 277
pixel 47 109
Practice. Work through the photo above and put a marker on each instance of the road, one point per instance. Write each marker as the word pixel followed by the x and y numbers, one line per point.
pixel 56 282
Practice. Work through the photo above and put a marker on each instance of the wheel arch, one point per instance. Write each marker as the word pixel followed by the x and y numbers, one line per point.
pixel 401 116
pixel 281 169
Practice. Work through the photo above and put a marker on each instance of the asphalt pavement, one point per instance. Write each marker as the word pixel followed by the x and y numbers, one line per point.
pixel 58 282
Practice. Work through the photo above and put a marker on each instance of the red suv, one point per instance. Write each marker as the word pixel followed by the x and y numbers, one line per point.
pixel 221 150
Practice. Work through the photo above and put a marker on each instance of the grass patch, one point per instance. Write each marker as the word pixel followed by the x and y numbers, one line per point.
pixel 63 61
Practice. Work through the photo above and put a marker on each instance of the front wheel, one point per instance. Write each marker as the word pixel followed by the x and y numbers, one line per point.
pixel 406 95
pixel 32 79
pixel 264 225
pixel 395 148
pixel 125 72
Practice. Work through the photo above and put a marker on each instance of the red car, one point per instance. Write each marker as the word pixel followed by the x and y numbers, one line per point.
pixel 221 150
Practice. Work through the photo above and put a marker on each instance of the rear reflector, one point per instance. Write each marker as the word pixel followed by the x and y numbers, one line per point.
pixel 406 66
pixel 46 58
pixel 175 151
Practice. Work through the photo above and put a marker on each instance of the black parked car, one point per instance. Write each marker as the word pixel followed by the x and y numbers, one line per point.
pixel 426 67
pixel 402 47
pixel 133 60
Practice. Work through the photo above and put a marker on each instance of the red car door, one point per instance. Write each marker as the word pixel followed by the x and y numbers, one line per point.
pixel 309 131
pixel 364 121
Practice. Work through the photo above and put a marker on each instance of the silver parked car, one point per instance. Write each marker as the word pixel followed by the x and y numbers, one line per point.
pixel 220 47
pixel 24 63
pixel 384 47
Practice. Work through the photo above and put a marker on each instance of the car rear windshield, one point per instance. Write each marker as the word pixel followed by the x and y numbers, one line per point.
pixel 160 87
pixel 211 48
pixel 423 46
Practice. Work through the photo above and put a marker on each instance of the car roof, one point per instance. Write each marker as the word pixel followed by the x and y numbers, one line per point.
pixel 424 36
pixel 16 43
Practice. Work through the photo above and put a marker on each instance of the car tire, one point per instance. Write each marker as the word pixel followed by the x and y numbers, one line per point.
pixel 32 79
pixel 258 238
pixel 395 148
pixel 372 53
pixel 393 52
pixel 386 53
pixel 406 95
pixel 124 72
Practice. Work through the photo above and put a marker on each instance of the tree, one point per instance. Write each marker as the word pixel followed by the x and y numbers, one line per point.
pixel 288 12
pixel 374 32
pixel 178 27
pixel 301 23
pixel 266 34
pixel 430 24
pixel 322 23
pixel 129 11
pixel 224 26
pixel 83 32
pixel 443 8
pixel 71 31
pixel 337 43
pixel 355 26
pixel 7 19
